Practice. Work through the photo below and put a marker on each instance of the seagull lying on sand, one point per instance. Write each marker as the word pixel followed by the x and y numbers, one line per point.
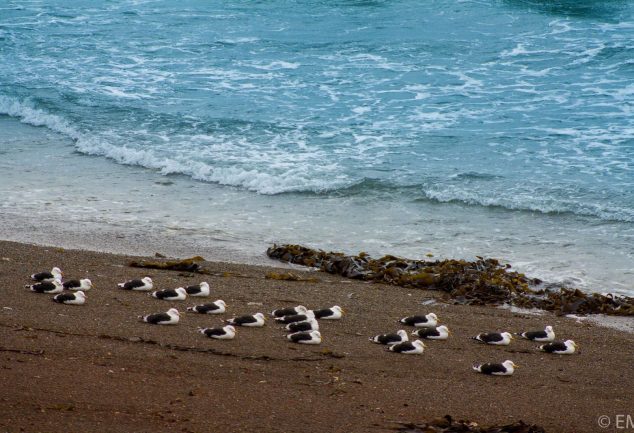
pixel 142 285
pixel 77 298
pixel 394 338
pixel 224 333
pixel 179 294
pixel 427 321
pixel 54 274
pixel 567 347
pixel 300 309
pixel 170 317
pixel 199 290
pixel 332 313
pixel 83 284
pixel 496 338
pixel 54 286
pixel 504 369
pixel 216 307
pixel 307 337
pixel 306 325
pixel 439 333
pixel 415 347
pixel 546 336
pixel 255 320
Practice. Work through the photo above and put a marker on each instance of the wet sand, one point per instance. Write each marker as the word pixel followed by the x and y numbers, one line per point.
pixel 96 368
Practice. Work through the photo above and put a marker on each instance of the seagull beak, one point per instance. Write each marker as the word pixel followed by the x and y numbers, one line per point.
pixel 515 365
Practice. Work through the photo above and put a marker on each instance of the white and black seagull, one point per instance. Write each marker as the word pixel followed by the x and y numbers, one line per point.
pixel 296 317
pixel 332 313
pixel 496 338
pixel 77 298
pixel 306 325
pixel 179 294
pixel 439 333
pixel 143 285
pixel 305 337
pixel 216 307
pixel 415 347
pixel 255 320
pixel 224 333
pixel 83 284
pixel 170 317
pixel 300 309
pixel 54 274
pixel 567 347
pixel 54 286
pixel 393 338
pixel 504 369
pixel 545 336
pixel 427 321
pixel 199 290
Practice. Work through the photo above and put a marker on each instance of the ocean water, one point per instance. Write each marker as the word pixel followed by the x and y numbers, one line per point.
pixel 501 128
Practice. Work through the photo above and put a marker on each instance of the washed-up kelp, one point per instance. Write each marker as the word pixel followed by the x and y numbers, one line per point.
pixel 184 265
pixel 480 282
pixel 448 425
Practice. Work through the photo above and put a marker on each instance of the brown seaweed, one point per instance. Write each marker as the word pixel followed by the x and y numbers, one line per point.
pixel 448 425
pixel 288 276
pixel 183 265
pixel 482 282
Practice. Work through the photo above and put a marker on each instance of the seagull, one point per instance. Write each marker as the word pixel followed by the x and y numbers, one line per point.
pixel 439 333
pixel 546 336
pixel 306 325
pixel 216 307
pixel 333 313
pixel 142 285
pixel 567 347
pixel 54 286
pixel 54 274
pixel 397 337
pixel 504 369
pixel 179 294
pixel 497 338
pixel 170 317
pixel 200 290
pixel 307 337
pixel 428 321
pixel 77 298
pixel 300 309
pixel 83 284
pixel 296 317
pixel 408 347
pixel 224 333
pixel 255 320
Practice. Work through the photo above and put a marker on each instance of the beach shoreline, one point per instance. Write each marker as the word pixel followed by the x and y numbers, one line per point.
pixel 97 368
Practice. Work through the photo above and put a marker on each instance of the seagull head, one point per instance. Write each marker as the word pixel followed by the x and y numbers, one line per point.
pixel 509 365
pixel 432 316
pixel 401 333
pixel 173 311
pixel 181 291
pixel 220 302
pixel 147 280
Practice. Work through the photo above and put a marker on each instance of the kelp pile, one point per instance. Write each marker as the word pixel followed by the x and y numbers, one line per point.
pixel 480 282
pixel 448 425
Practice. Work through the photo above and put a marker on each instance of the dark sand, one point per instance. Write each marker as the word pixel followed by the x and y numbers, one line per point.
pixel 96 368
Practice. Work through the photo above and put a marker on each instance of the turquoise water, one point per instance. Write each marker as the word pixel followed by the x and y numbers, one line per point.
pixel 460 128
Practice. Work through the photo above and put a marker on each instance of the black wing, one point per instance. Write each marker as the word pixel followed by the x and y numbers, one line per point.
pixel 301 336
pixel 427 332
pixel 243 320
pixel 72 284
pixel 206 308
pixel 41 276
pixel 211 332
pixel 492 337
pixel 532 335
pixel 293 318
pixel 133 284
pixel 284 312
pixel 490 368
pixel 412 320
pixel 64 297
pixel 557 346
pixel 388 338
pixel 402 347
pixel 167 293
pixel 43 287
pixel 157 318
pixel 300 326
pixel 192 290
pixel 326 312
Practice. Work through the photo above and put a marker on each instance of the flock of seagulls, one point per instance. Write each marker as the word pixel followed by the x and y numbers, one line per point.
pixel 300 322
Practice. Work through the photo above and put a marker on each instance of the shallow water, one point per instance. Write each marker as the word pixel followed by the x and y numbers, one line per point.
pixel 499 128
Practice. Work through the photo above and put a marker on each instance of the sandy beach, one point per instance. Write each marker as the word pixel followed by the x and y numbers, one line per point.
pixel 96 368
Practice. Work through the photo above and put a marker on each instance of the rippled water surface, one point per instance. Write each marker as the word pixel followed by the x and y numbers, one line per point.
pixel 463 127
